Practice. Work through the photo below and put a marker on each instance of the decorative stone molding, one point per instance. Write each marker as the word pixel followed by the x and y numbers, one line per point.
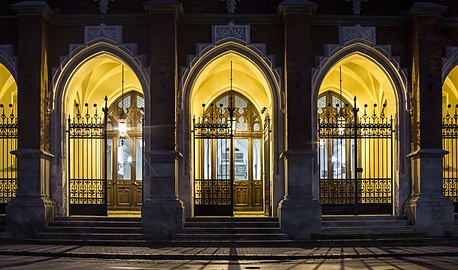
pixel 349 33
pixel 354 38
pixel 103 5
pixel 110 36
pixel 241 32
pixel 6 52
pixel 450 61
pixel 112 32
pixel 227 36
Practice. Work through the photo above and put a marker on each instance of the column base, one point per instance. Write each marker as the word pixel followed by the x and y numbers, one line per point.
pixel 26 216
pixel 162 217
pixel 432 216
pixel 300 217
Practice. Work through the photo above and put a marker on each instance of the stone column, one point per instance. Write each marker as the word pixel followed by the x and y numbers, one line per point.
pixel 32 208
pixel 162 211
pixel 299 213
pixel 431 212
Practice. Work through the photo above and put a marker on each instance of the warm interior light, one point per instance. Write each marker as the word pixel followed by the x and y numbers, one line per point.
pixel 122 126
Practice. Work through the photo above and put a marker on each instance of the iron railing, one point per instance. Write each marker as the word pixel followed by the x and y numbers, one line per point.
pixel 87 141
pixel 8 143
pixel 355 155
pixel 450 162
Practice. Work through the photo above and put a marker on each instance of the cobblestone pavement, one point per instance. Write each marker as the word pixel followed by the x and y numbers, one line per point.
pixel 222 253
pixel 53 263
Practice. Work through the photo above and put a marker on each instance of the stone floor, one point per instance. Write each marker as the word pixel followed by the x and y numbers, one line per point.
pixel 222 253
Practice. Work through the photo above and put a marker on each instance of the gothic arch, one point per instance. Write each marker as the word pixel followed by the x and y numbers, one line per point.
pixel 389 65
pixel 68 67
pixel 254 55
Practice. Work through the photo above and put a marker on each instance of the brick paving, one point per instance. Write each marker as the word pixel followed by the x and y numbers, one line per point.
pixel 222 253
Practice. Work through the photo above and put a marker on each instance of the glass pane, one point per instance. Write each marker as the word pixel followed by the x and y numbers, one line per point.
pixel 124 160
pixel 139 159
pixel 241 159
pixel 256 159
pixel 110 159
pixel 222 159
pixel 207 165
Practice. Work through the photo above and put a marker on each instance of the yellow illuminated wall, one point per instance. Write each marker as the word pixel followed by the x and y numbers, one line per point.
pixel 369 82
pixel 8 88
pixel 96 78
pixel 214 79
pixel 364 78
pixel 450 90
pixel 90 82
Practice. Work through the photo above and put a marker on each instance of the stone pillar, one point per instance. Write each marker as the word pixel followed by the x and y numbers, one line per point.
pixel 299 213
pixel 32 208
pixel 162 211
pixel 431 212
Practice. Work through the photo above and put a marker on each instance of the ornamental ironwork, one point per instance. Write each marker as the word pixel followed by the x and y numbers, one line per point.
pixel 213 188
pixel 8 143
pixel 355 154
pixel 450 162
pixel 87 140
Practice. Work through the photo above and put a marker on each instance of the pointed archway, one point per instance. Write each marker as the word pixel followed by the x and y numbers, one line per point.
pixel 92 73
pixel 366 79
pixel 209 77
pixel 8 139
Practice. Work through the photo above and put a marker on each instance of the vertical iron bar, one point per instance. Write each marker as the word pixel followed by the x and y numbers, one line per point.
pixel 105 139
pixel 355 138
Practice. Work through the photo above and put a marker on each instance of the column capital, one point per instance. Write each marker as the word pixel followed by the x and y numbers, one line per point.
pixel 163 6
pixel 426 9
pixel 297 7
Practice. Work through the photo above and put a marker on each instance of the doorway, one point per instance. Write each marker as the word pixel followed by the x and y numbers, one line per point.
pixel 228 157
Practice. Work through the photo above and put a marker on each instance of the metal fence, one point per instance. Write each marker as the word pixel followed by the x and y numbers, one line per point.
pixel 8 143
pixel 355 155
pixel 450 162
pixel 87 159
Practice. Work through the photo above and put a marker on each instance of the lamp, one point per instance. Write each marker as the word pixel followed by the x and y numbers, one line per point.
pixel 122 124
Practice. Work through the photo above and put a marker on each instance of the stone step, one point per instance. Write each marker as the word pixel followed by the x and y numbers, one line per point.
pixel 232 236
pixel 90 242
pixel 91 236
pixel 256 224
pixel 363 218
pixel 237 230
pixel 97 218
pixel 368 230
pixel 94 223
pixel 231 219
pixel 90 229
pixel 361 223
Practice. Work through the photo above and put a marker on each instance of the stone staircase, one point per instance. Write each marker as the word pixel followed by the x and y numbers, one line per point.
pixel 351 226
pixel 456 224
pixel 93 231
pixel 252 231
pixel 3 232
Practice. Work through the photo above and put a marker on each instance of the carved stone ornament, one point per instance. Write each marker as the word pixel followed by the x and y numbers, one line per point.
pixel 103 5
pixel 349 33
pixel 230 5
pixel 357 6
pixel 241 32
pixel 112 32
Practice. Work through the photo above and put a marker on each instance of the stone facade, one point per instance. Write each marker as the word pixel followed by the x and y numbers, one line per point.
pixel 167 43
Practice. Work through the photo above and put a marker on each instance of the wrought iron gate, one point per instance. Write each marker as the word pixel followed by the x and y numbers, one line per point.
pixel 213 187
pixel 266 172
pixel 8 143
pixel 87 159
pixel 355 160
pixel 450 162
